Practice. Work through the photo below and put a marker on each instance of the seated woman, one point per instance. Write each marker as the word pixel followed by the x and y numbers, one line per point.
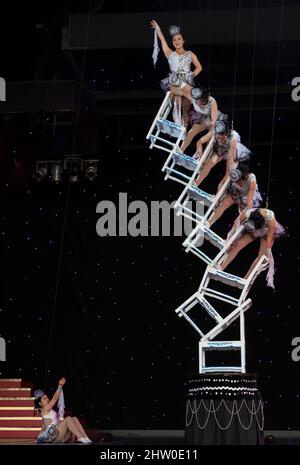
pixel 227 147
pixel 260 223
pixel 54 430
pixel 203 117
pixel 242 191
pixel 180 80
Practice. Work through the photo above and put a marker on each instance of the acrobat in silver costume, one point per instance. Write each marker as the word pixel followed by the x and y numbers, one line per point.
pixel 181 74
pixel 242 152
pixel 239 193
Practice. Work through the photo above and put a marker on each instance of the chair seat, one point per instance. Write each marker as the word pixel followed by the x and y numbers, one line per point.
pixel 170 128
pixel 184 160
pixel 221 345
pixel 227 278
pixel 197 194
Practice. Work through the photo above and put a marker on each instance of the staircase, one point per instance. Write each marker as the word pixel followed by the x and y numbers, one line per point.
pixel 17 420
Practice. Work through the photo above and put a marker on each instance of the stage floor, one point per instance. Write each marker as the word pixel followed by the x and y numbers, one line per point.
pixel 152 438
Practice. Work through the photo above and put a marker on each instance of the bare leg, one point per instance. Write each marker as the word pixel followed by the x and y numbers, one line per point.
pixel 177 110
pixel 186 92
pixel 226 203
pixel 176 91
pixel 181 92
pixel 66 426
pixel 79 427
pixel 207 167
pixel 68 437
pixel 236 248
pixel 196 129
pixel 186 105
pixel 63 432
pixel 262 251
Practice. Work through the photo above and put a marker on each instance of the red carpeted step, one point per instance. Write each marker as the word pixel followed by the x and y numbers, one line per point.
pixel 16 412
pixel 15 392
pixel 17 419
pixel 10 383
pixel 16 401
pixel 19 433
pixel 20 422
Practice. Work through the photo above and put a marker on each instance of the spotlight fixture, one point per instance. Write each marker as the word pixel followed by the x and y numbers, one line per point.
pixel 74 174
pixel 73 164
pixel 56 171
pixel 90 167
pixel 41 171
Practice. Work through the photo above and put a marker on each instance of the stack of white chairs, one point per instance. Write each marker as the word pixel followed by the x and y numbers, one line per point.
pixel 167 136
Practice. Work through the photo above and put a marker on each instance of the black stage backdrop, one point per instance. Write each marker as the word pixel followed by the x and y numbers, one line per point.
pixel 111 329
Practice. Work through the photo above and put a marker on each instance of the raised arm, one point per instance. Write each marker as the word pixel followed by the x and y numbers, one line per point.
pixel 270 236
pixel 166 49
pixel 56 396
pixel 213 114
pixel 251 192
pixel 229 161
pixel 238 221
pixel 197 64
pixel 231 156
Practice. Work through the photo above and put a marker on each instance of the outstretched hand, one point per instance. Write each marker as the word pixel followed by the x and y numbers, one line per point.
pixel 154 25
pixel 62 381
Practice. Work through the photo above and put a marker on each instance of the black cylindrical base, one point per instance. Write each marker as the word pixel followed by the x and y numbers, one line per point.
pixel 224 408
